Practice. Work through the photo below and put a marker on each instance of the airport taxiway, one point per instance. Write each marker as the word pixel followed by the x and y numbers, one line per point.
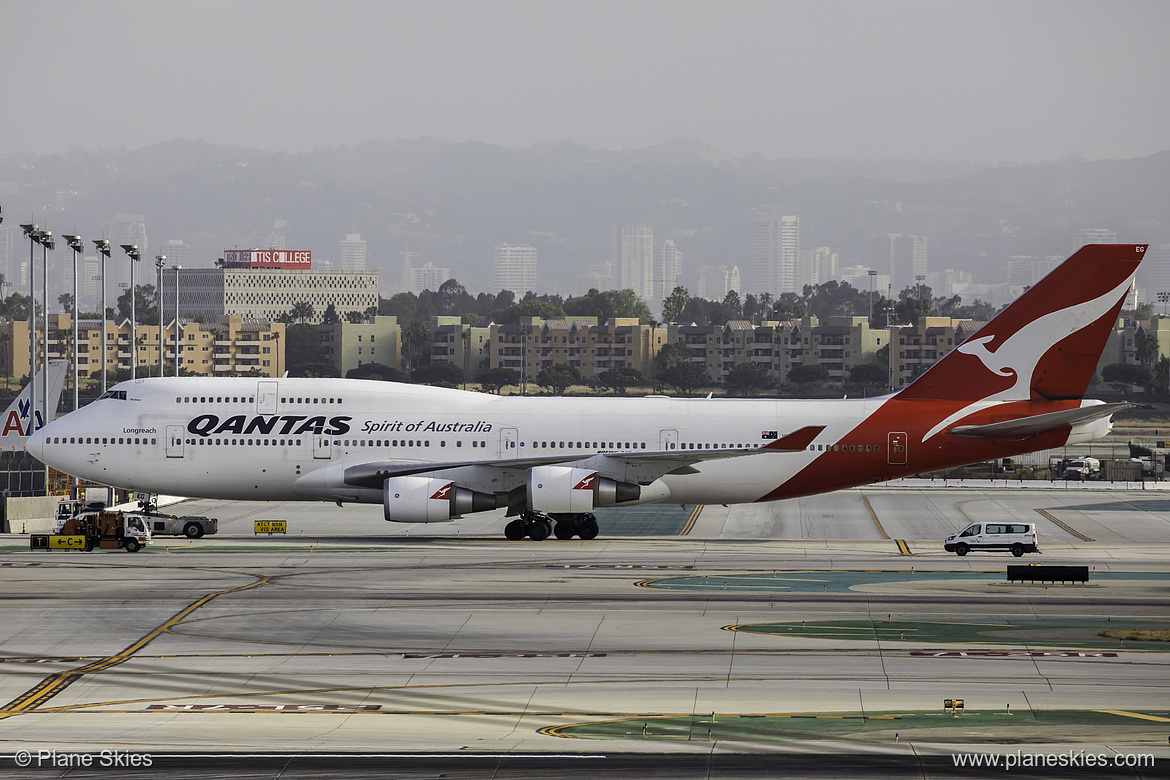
pixel 695 632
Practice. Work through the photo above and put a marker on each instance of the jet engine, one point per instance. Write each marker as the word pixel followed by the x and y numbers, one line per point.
pixel 430 500
pixel 565 489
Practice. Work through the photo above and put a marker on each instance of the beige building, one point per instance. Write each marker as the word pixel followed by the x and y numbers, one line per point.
pixel 580 342
pixel 349 345
pixel 915 348
pixel 462 345
pixel 230 346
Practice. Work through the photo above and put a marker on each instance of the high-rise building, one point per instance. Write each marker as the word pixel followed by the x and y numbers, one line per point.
pixel 902 257
pixel 712 283
pixel 775 252
pixel 127 229
pixel 177 252
pixel 633 258
pixel 428 277
pixel 667 267
pixel 353 253
pixel 817 266
pixel 514 268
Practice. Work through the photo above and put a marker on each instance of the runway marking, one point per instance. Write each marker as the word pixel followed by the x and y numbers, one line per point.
pixel 691 520
pixel 56 683
pixel 1049 516
pixel 1140 715
pixel 903 547
pixel 873 516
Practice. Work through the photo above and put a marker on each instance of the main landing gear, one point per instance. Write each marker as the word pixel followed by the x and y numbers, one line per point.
pixel 539 527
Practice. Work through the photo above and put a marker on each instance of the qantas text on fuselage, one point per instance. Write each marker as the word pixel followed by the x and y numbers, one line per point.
pixel 432 455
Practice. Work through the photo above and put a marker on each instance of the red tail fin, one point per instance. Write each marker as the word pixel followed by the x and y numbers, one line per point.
pixel 1046 344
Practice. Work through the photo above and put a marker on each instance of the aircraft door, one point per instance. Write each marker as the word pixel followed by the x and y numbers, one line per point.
pixel 322 446
pixel 509 438
pixel 175 438
pixel 668 439
pixel 896 449
pixel 267 396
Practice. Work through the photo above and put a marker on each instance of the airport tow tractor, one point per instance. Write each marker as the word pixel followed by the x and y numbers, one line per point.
pixel 81 527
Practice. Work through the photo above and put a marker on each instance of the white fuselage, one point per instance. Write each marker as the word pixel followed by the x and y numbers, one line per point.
pixel 293 439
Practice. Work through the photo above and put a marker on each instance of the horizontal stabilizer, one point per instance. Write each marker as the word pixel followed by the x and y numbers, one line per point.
pixel 1040 423
pixel 797 440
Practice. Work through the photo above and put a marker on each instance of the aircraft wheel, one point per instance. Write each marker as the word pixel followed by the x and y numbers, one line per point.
pixel 587 529
pixel 539 530
pixel 515 530
pixel 193 530
pixel 565 529
pixel 961 549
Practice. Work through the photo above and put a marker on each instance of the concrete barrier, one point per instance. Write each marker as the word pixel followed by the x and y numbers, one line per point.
pixel 34 515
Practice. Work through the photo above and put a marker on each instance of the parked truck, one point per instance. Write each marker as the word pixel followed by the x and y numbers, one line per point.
pixel 1082 469
pixel 190 526
pixel 81 527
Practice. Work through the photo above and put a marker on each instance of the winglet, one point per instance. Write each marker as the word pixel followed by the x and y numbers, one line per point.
pixel 797 440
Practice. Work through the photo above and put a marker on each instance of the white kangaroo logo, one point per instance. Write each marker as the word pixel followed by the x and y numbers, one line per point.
pixel 1022 350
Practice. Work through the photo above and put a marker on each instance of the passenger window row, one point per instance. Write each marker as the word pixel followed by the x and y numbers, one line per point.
pixel 101 440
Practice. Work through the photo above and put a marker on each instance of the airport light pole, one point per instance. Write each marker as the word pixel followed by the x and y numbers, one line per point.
pixel 47 244
pixel 159 262
pixel 76 244
pixel 103 248
pixel 177 267
pixel 872 276
pixel 132 252
pixel 34 237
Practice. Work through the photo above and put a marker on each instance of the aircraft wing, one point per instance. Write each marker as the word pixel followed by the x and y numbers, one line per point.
pixel 1040 423
pixel 643 467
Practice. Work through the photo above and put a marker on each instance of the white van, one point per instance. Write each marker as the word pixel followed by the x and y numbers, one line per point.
pixel 1019 538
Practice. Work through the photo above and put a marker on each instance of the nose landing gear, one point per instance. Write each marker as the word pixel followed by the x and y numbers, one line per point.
pixel 538 527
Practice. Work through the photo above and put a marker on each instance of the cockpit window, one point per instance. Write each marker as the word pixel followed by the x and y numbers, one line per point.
pixel 118 395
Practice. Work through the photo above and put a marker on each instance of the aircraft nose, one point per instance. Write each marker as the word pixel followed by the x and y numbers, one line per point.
pixel 36 444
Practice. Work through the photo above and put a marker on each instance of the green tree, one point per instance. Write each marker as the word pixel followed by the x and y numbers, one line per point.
pixel 145 302
pixel 673 305
pixel 416 337
pixel 870 376
pixel 618 380
pixel 1124 374
pixel 496 379
pixel 732 308
pixel 440 373
pixel 302 345
pixel 314 370
pixel 302 311
pixel 558 378
pixel 330 316
pixel 376 371
pixel 686 376
pixel 747 378
pixel 813 373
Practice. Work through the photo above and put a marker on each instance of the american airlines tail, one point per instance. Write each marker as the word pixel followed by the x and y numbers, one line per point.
pixel 20 419
pixel 432 455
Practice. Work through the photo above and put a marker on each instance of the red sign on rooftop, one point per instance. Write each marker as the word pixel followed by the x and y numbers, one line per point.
pixel 297 260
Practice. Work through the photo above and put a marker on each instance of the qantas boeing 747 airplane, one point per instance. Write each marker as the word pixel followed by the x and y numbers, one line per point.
pixel 432 455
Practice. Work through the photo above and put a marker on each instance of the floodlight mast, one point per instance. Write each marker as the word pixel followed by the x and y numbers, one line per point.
pixel 103 248
pixel 132 252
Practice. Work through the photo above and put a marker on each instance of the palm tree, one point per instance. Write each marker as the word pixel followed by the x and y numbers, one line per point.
pixel 6 343
pixel 415 337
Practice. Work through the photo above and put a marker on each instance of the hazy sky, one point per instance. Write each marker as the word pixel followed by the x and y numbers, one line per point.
pixel 1020 80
